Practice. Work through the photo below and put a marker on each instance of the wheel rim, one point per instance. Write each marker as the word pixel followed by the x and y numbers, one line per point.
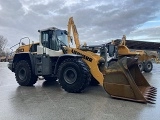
pixel 140 66
pixel 22 74
pixel 70 75
pixel 149 66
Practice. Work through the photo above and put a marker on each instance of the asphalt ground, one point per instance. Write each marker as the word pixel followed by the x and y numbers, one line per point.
pixel 47 101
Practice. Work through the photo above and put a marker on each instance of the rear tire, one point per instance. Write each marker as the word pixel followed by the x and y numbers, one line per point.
pixel 74 75
pixel 148 66
pixel 141 66
pixel 24 75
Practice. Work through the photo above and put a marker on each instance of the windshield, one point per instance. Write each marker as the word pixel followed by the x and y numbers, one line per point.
pixel 62 36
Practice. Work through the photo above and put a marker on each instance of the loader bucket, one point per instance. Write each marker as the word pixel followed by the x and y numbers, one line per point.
pixel 124 80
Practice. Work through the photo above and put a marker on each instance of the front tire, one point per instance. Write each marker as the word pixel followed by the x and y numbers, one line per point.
pixel 24 75
pixel 74 75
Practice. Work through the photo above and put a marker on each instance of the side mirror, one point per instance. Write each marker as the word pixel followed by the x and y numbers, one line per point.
pixel 23 43
pixel 65 32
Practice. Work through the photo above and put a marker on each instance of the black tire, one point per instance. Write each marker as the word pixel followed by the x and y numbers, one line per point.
pixel 141 66
pixel 148 66
pixel 94 82
pixel 24 75
pixel 74 75
pixel 50 78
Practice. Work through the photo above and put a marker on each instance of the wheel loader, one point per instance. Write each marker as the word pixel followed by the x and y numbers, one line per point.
pixel 74 67
pixel 144 59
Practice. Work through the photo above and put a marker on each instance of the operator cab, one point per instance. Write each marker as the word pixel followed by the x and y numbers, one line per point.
pixel 51 40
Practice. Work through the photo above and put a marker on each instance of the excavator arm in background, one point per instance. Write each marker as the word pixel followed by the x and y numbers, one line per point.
pixel 72 26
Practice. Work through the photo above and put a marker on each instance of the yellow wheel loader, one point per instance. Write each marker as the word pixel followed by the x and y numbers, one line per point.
pixel 144 59
pixel 75 66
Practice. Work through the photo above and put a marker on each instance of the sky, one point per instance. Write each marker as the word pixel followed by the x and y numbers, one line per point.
pixel 97 21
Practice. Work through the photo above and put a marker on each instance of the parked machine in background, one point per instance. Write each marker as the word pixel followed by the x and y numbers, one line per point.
pixel 6 58
pixel 75 67
pixel 144 59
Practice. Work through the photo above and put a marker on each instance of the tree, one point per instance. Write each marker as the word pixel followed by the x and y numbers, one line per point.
pixel 3 42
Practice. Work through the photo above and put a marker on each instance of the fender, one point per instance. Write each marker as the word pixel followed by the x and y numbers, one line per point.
pixel 22 56
pixel 62 58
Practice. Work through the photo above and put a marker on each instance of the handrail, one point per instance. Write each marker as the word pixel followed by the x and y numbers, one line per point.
pixel 19 44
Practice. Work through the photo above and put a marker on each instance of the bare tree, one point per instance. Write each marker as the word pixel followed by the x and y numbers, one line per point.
pixel 3 42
